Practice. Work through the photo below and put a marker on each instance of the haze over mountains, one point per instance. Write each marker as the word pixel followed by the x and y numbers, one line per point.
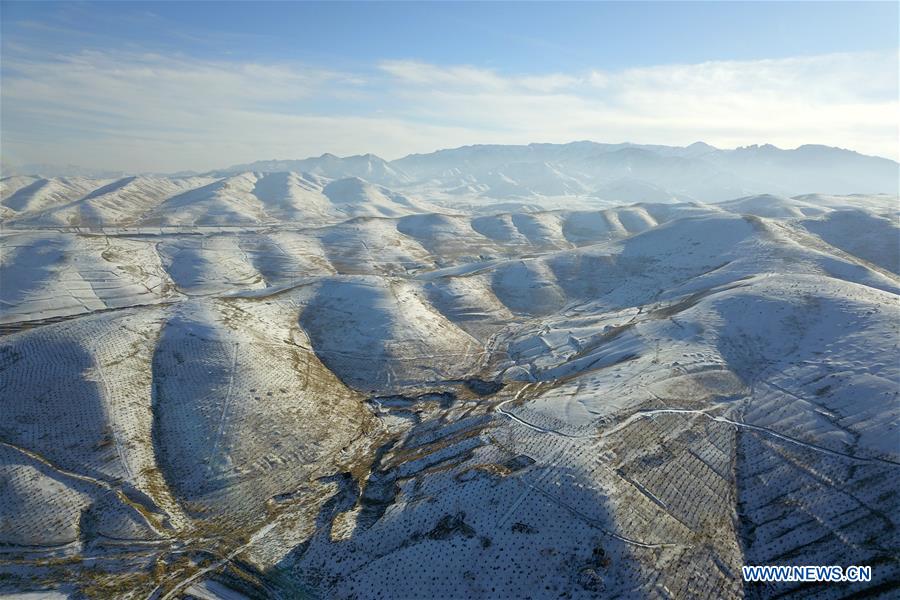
pixel 572 370
pixel 614 172
pixel 586 167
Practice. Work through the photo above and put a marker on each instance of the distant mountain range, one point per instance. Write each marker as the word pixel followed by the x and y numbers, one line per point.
pixel 610 172
pixel 616 172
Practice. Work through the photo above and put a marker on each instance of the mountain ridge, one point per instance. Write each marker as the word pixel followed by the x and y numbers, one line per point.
pixel 55 170
pixel 698 170
pixel 481 178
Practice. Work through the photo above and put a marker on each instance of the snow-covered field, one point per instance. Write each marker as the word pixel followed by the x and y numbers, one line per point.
pixel 443 378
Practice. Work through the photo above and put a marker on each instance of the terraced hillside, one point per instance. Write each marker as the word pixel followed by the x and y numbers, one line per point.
pixel 273 384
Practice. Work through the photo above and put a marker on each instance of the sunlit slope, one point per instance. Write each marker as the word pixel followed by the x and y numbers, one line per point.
pixel 228 201
pixel 51 274
pixel 123 201
pixel 153 422
pixel 355 197
pixel 862 234
pixel 643 299
pixel 371 246
pixel 243 414
pixel 47 274
pixel 27 194
pixel 790 373
pixel 208 264
pixel 246 198
pixel 76 397
pixel 375 334
pixel 293 197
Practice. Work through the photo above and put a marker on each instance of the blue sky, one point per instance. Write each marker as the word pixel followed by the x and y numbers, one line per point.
pixel 167 86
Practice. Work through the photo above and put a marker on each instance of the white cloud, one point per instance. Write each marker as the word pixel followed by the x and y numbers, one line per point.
pixel 848 100
pixel 137 111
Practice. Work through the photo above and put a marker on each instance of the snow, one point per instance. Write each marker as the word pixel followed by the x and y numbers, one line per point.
pixel 376 334
pixel 861 233
pixel 356 197
pixel 334 377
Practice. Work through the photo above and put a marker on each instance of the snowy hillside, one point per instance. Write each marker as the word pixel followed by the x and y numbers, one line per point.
pixel 539 371
pixel 536 175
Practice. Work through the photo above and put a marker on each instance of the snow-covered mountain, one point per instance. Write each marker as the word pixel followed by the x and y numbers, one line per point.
pixel 698 171
pixel 497 371
pixel 536 176
pixel 367 166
